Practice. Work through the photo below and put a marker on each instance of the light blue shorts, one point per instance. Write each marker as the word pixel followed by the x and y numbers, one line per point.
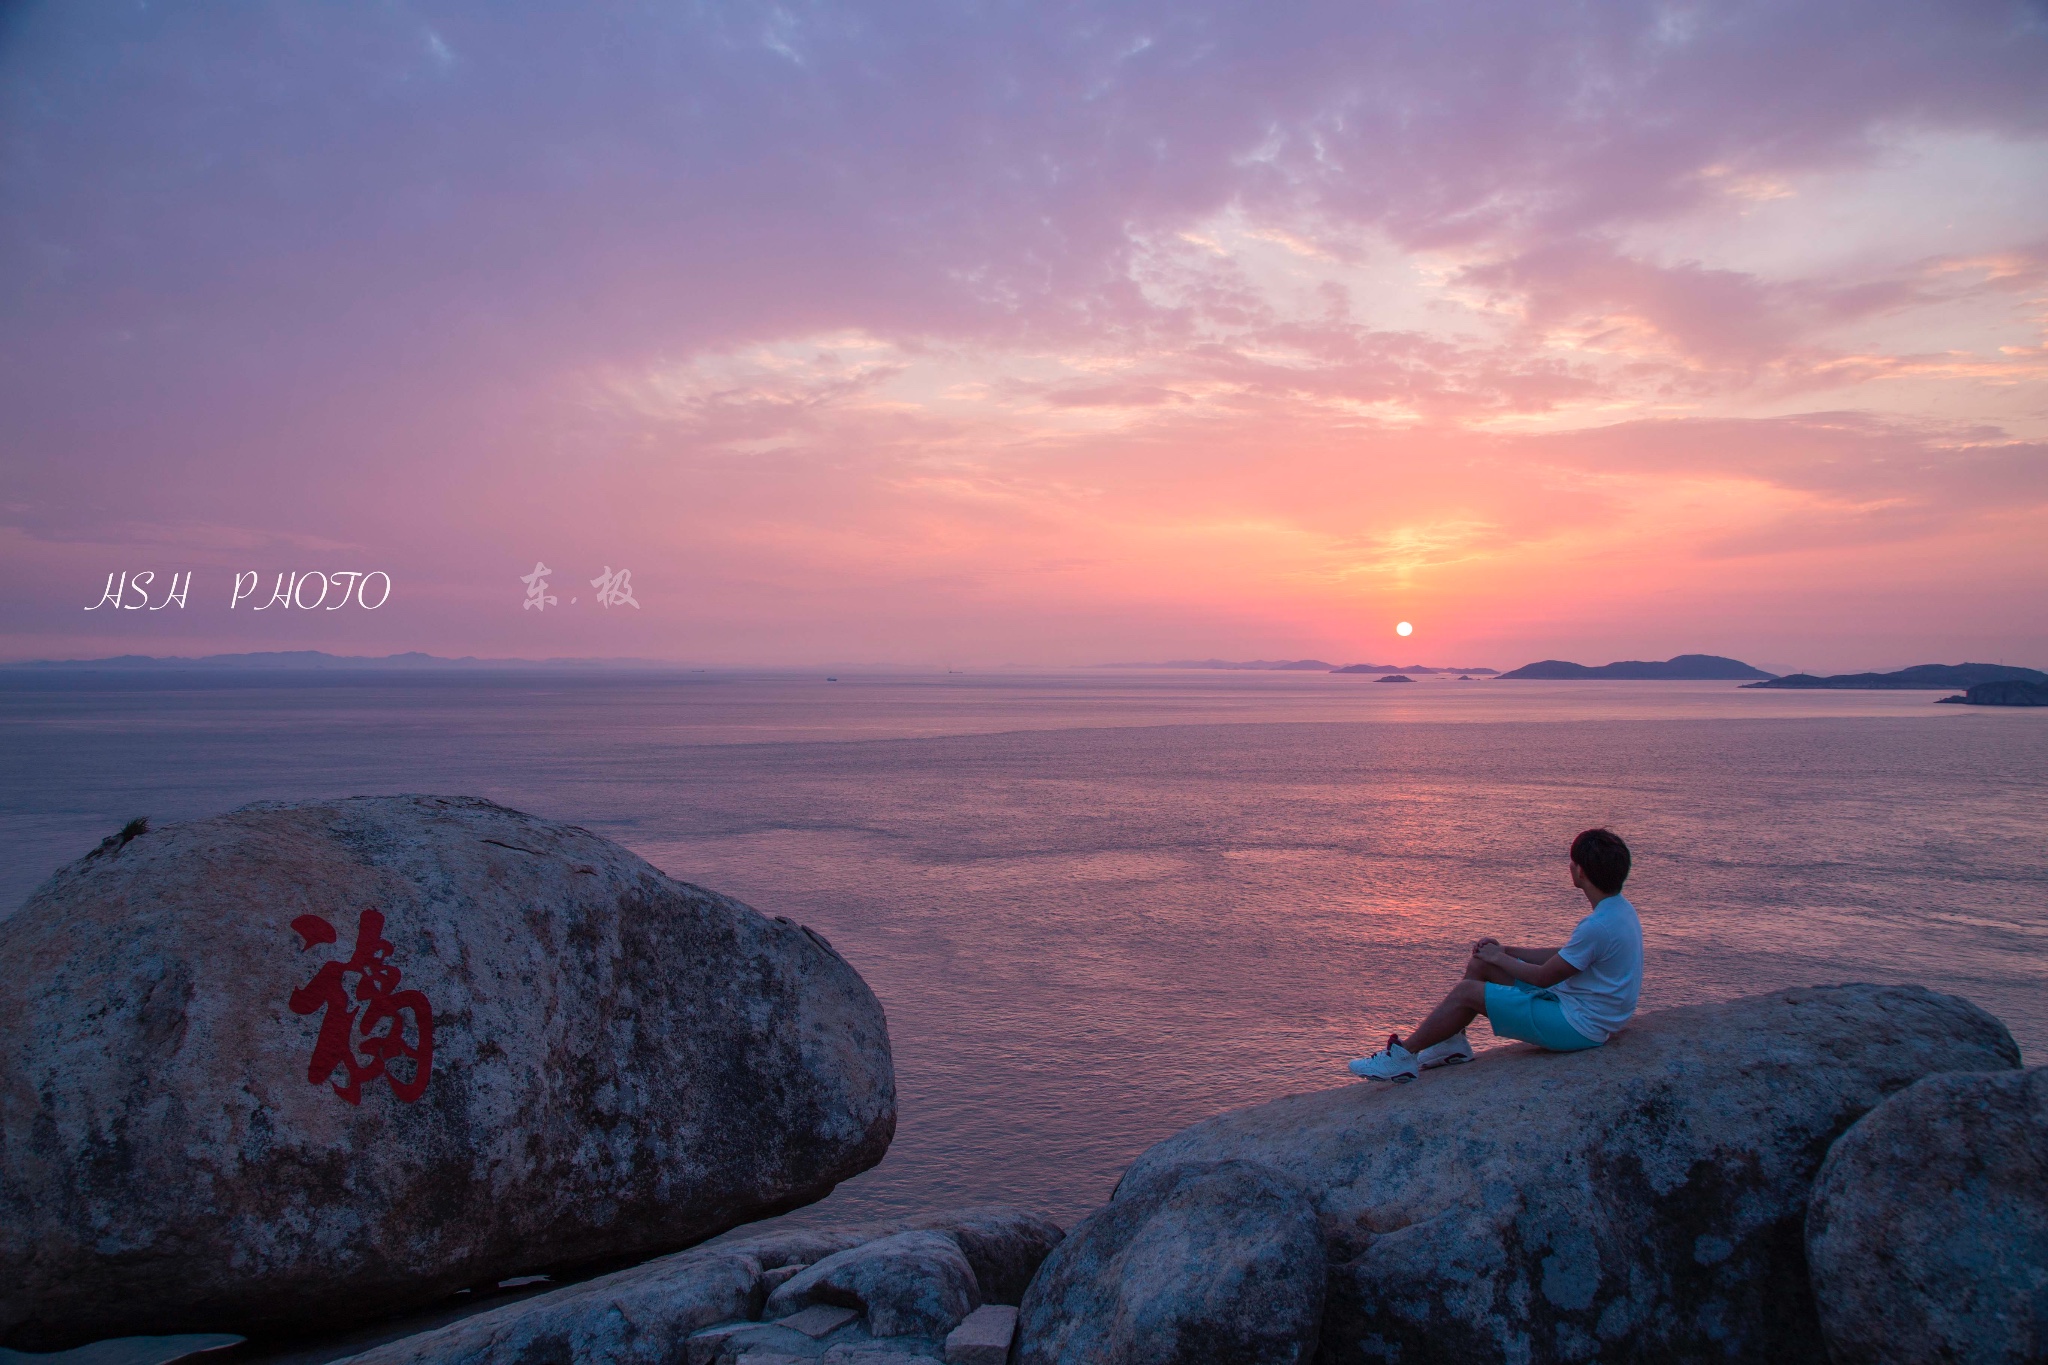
pixel 1530 1015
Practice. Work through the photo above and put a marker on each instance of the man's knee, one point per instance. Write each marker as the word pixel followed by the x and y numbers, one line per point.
pixel 1485 972
pixel 1471 994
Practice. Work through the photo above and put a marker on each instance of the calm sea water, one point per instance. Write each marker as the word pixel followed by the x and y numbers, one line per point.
pixel 1098 907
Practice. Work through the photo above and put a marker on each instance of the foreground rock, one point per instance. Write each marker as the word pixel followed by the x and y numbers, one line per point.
pixel 304 1065
pixel 984 1338
pixel 1207 1264
pixel 705 1306
pixel 905 1284
pixel 1005 1246
pixel 132 1351
pixel 1927 1236
pixel 1641 1201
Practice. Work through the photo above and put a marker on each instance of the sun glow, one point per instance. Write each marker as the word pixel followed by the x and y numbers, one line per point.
pixel 1404 629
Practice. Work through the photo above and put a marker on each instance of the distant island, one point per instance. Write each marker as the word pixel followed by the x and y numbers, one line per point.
pixel 1408 668
pixel 1683 668
pixel 1928 677
pixel 1397 677
pixel 2014 693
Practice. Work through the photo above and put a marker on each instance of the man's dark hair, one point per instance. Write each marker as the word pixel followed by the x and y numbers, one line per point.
pixel 1603 857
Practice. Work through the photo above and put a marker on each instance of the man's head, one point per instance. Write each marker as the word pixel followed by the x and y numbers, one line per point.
pixel 1602 859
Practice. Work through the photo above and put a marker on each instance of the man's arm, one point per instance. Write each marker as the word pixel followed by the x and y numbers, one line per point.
pixel 1531 955
pixel 1548 972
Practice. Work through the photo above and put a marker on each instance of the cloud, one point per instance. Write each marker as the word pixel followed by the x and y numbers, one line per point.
pixel 930 166
pixel 1132 312
pixel 1845 456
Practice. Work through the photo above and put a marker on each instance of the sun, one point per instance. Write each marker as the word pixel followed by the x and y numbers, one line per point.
pixel 1404 629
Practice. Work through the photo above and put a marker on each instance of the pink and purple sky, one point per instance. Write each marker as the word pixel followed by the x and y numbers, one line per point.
pixel 1050 334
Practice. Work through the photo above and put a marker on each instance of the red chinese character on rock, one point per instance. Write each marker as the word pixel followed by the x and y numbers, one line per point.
pixel 364 1035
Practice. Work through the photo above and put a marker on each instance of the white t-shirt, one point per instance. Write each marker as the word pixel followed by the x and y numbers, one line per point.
pixel 1607 948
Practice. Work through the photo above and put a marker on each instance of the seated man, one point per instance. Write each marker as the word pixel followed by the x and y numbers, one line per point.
pixel 1563 999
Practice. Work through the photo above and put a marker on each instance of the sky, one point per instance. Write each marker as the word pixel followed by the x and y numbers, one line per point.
pixel 1051 334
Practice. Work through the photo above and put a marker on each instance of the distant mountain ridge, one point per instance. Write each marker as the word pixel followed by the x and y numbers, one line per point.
pixel 1919 676
pixel 1679 668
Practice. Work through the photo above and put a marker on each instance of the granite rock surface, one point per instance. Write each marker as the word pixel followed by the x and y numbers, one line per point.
pixel 984 1338
pixel 1004 1245
pixel 306 1064
pixel 701 1306
pixel 1203 1263
pixel 905 1284
pixel 1927 1237
pixel 1644 1200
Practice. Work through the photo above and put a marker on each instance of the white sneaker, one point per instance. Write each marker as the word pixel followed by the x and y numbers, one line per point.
pixel 1449 1052
pixel 1395 1063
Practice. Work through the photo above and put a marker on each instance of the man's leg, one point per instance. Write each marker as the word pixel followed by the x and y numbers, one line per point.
pixel 1466 1002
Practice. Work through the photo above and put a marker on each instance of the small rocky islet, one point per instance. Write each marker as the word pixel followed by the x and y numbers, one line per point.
pixel 305 1066
pixel 1926 677
pixel 2003 692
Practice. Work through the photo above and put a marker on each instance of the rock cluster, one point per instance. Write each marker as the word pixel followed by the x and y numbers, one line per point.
pixel 311 1064
pixel 1927 1236
pixel 934 1288
pixel 1644 1200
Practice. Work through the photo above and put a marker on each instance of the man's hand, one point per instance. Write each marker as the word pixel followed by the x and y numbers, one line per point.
pixel 1543 974
pixel 1479 948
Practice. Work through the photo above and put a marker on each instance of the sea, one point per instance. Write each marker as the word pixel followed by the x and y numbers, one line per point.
pixel 1098 906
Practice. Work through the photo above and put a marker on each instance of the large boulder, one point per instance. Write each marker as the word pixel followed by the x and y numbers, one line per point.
pixel 1640 1201
pixel 1927 1237
pixel 1208 1263
pixel 307 1064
